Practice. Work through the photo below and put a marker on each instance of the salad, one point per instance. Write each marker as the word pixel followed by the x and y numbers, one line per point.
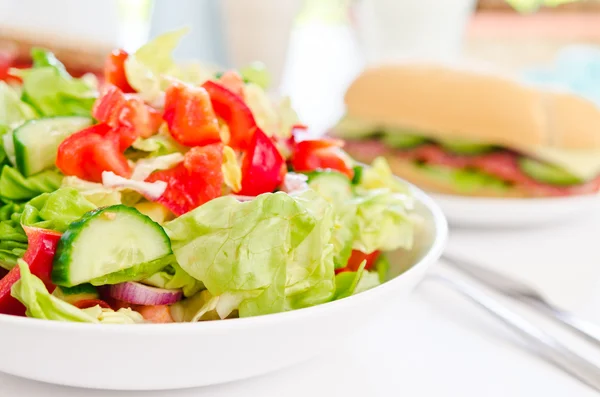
pixel 173 193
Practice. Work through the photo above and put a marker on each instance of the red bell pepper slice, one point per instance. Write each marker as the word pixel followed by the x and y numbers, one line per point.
pixel 232 109
pixel 39 256
pixel 128 116
pixel 190 115
pixel 114 70
pixel 87 153
pixel 321 154
pixel 195 181
pixel 356 258
pixel 263 167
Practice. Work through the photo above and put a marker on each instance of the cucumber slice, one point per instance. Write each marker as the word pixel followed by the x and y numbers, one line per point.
pixel 36 142
pixel 77 293
pixel 332 185
pixel 107 240
pixel 9 147
pixel 461 146
pixel 399 139
pixel 547 173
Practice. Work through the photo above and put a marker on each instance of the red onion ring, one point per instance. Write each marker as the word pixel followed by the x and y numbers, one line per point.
pixel 140 294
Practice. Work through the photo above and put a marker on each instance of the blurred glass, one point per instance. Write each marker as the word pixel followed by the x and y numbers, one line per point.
pixel 134 22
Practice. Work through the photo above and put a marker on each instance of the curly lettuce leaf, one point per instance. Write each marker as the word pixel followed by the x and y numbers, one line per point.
pixel 174 277
pixel 383 221
pixel 144 167
pixel 56 210
pixel 95 193
pixel 32 293
pixel 242 248
pixel 352 283
pixel 13 241
pixel 12 109
pixel 16 187
pixel 52 91
pixel 310 269
pixel 150 66
pixel 379 175
pixel 205 306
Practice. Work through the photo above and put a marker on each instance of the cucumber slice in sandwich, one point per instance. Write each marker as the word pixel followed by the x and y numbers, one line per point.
pixel 36 142
pixel 110 240
pixel 547 173
pixel 464 147
pixel 403 140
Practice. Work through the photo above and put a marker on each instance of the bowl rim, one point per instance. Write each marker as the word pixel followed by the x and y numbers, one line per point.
pixel 434 252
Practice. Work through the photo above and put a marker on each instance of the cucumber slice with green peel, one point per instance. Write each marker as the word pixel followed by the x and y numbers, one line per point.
pixel 403 140
pixel 36 142
pixel 105 241
pixel 135 273
pixel 547 173
pixel 461 146
pixel 77 293
pixel 9 147
pixel 335 187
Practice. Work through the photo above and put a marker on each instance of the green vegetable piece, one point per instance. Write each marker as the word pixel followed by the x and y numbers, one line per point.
pixel 77 293
pixel 401 139
pixel 548 173
pixel 56 210
pixel 115 240
pixel 16 187
pixel 465 147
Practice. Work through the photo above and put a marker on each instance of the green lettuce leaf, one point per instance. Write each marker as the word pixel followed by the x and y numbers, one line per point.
pixel 160 144
pixel 15 187
pixel 205 306
pixel 12 109
pixel 242 248
pixel 383 221
pixel 344 232
pixel 95 193
pixel 352 283
pixel 56 210
pixel 174 277
pixel 150 66
pixel 32 293
pixel 52 91
pixel 310 278
pixel 13 241
pixel 465 180
pixel 379 175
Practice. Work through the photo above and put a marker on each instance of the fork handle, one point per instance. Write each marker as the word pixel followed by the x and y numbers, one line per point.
pixel 544 344
pixel 586 329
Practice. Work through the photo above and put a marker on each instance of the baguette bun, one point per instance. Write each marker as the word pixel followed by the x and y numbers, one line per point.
pixel 443 102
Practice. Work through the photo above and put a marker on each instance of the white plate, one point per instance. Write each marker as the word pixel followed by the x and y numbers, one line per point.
pixel 170 356
pixel 511 212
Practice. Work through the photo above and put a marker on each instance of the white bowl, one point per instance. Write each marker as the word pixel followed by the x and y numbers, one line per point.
pixel 171 356
pixel 511 212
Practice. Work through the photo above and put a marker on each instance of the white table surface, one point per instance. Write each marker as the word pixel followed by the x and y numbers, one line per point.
pixel 438 344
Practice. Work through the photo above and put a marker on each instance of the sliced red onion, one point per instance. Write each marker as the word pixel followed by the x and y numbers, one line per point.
pixel 293 183
pixel 140 294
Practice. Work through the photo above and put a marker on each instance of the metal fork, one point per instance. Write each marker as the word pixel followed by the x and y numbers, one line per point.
pixel 526 294
pixel 544 344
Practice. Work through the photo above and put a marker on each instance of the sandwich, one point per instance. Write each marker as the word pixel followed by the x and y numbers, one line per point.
pixel 460 132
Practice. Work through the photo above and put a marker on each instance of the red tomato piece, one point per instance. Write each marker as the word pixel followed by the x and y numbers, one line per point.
pixel 39 256
pixel 263 168
pixel 114 70
pixel 232 80
pixel 322 154
pixel 194 182
pixel 232 109
pixel 87 153
pixel 155 314
pixel 190 116
pixel 127 115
